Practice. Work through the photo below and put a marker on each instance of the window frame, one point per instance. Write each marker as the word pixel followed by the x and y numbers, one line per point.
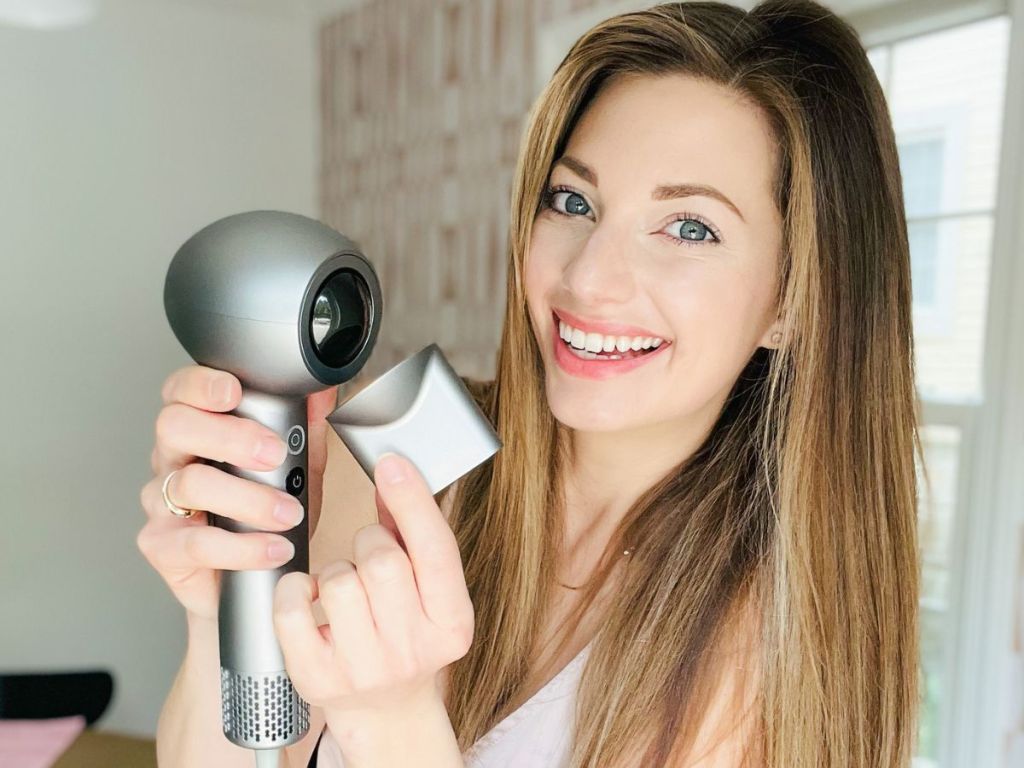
pixel 976 706
pixel 949 125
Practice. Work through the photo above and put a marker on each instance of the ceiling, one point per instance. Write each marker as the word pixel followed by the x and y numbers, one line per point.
pixel 328 8
pixel 287 8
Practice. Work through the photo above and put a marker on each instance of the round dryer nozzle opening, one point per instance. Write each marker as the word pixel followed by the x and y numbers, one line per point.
pixel 340 320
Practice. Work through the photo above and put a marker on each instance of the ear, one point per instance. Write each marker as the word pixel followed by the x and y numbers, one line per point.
pixel 772 337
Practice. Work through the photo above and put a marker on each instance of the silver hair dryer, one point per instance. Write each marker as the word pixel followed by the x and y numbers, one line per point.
pixel 290 307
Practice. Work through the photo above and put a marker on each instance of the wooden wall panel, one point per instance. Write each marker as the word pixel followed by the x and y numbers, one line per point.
pixel 423 104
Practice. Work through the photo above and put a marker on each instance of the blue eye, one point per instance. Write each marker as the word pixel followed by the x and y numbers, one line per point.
pixel 694 232
pixel 574 202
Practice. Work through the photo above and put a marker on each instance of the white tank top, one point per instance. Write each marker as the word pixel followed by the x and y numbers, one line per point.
pixel 539 733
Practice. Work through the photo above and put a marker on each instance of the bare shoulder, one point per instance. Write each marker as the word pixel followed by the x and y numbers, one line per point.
pixel 728 734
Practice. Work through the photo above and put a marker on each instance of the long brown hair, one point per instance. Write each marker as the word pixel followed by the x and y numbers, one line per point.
pixel 802 500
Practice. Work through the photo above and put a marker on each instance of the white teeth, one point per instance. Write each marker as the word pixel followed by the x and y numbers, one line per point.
pixel 584 355
pixel 595 342
pixel 592 343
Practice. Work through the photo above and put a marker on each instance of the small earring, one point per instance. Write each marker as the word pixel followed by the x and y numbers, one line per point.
pixel 776 337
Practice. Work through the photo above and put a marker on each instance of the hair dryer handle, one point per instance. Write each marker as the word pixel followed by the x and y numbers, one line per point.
pixel 260 707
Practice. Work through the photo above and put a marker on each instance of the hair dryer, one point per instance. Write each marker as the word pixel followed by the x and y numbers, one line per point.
pixel 290 307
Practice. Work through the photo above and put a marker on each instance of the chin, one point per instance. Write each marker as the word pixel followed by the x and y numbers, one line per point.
pixel 590 415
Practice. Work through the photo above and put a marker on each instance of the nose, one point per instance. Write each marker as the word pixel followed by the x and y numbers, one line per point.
pixel 599 273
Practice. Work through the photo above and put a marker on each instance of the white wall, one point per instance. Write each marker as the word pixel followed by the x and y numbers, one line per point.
pixel 118 140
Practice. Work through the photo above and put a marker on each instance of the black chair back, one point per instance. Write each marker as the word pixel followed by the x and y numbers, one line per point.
pixel 43 695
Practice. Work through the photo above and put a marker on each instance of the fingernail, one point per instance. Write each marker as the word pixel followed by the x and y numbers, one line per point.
pixel 390 468
pixel 281 551
pixel 289 511
pixel 221 391
pixel 271 450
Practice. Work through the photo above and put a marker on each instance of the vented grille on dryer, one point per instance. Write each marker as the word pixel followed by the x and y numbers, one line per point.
pixel 261 710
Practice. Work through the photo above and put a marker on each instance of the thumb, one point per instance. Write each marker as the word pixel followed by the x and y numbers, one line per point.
pixel 320 404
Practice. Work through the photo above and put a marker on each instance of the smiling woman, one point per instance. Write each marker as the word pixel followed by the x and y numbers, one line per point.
pixel 706 364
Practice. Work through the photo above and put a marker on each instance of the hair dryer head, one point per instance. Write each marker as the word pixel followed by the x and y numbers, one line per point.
pixel 282 301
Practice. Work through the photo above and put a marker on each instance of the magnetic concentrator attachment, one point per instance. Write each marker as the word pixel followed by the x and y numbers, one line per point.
pixel 420 409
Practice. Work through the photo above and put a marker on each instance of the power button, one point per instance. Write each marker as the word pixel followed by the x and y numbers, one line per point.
pixel 296 440
pixel 295 482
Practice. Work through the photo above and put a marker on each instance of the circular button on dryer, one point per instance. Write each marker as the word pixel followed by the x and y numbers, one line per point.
pixel 295 483
pixel 296 440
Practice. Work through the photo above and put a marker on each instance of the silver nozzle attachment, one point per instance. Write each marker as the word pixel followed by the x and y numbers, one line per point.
pixel 422 410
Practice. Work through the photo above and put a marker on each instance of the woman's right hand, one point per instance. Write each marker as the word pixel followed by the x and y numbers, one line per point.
pixel 194 423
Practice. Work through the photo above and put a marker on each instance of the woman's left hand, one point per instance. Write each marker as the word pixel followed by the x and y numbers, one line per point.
pixel 398 615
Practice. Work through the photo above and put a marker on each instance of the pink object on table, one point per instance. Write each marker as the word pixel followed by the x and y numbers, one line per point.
pixel 37 743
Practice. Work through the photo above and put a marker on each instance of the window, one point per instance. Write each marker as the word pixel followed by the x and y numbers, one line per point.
pixel 945 92
pixel 921 161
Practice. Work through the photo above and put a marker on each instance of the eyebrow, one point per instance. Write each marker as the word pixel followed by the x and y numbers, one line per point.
pixel 661 192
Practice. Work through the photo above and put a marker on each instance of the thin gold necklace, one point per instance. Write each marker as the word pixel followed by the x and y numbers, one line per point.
pixel 624 552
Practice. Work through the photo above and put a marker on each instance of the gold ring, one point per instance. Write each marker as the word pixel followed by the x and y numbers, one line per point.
pixel 173 508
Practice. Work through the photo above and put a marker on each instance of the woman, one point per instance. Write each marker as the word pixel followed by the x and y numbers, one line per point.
pixel 705 390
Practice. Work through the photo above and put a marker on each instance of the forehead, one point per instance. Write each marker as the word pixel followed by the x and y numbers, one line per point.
pixel 646 130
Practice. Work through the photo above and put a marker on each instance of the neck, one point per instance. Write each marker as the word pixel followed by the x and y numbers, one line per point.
pixel 608 471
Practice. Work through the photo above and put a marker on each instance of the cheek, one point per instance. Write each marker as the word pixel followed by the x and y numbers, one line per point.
pixel 542 272
pixel 717 318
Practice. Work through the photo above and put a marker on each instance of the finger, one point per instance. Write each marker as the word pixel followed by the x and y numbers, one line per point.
pixel 174 546
pixel 318 406
pixel 432 548
pixel 202 387
pixel 390 586
pixel 354 635
pixel 202 487
pixel 306 652
pixel 153 504
pixel 184 432
pixel 385 518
